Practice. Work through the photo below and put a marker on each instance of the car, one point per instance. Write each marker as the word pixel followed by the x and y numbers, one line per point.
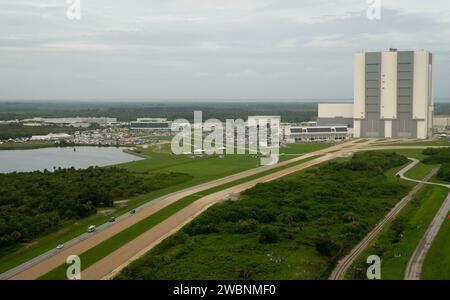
pixel 133 211
pixel 91 228
pixel 60 246
pixel 112 219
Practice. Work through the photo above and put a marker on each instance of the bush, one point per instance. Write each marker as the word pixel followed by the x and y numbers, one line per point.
pixel 437 155
pixel 268 235
pixel 325 246
pixel 444 172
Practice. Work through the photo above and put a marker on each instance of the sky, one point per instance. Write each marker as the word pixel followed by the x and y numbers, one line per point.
pixel 207 49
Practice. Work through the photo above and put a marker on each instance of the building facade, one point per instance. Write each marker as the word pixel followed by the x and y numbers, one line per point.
pixel 151 124
pixel 298 134
pixel 393 94
pixel 335 114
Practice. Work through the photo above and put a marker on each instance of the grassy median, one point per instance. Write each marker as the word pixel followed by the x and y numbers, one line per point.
pixel 98 252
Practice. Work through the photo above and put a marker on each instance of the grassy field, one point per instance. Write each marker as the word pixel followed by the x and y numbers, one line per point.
pixel 292 228
pixel 420 170
pixel 26 145
pixel 160 160
pixel 437 262
pixel 96 253
pixel 440 142
pixel 397 242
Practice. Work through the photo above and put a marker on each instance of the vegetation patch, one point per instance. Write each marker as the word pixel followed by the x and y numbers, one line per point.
pixel 439 156
pixel 295 228
pixel 397 242
pixel 36 203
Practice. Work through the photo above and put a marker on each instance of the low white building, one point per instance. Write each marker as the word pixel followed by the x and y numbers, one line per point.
pixel 51 137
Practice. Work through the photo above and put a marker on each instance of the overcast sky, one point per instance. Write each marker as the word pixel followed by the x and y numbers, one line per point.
pixel 207 49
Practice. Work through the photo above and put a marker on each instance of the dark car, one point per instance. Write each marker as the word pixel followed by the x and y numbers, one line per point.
pixel 133 211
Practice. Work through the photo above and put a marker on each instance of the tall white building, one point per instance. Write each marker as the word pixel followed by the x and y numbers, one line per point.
pixel 393 94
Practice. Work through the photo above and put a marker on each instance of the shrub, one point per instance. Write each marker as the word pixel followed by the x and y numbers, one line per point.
pixel 268 235
pixel 325 246
pixel 444 172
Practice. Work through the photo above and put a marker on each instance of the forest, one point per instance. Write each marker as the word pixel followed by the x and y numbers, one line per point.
pixel 33 204
pixel 439 156
pixel 291 228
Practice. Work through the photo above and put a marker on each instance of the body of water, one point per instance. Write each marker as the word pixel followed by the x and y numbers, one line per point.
pixel 48 158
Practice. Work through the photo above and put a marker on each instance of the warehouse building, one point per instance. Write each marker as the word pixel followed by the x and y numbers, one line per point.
pixel 151 124
pixel 335 133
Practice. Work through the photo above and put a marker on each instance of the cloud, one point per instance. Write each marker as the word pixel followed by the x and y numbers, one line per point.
pixel 207 48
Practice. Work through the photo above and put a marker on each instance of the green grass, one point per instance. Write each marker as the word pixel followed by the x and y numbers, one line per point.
pixel 96 253
pixel 220 244
pixel 416 217
pixel 26 145
pixel 437 262
pixel 161 160
pixel 420 171
pixel 440 142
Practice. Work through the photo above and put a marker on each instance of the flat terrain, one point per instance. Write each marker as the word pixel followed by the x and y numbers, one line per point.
pixel 58 259
pixel 397 242
pixel 230 241
pixel 437 262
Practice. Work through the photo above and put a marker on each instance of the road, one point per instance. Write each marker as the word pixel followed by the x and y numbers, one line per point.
pixel 114 262
pixel 343 264
pixel 415 162
pixel 415 264
pixel 41 265
pixel 117 260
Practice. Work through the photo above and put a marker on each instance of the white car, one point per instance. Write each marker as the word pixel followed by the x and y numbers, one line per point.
pixel 60 246
pixel 91 228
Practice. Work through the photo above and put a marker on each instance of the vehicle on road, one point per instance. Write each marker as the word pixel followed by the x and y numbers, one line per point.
pixel 60 246
pixel 112 220
pixel 92 228
pixel 133 211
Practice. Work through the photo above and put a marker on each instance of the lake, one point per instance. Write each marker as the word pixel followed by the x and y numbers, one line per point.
pixel 47 158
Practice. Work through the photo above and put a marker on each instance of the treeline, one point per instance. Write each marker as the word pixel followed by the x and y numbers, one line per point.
pixel 129 111
pixel 18 130
pixel 295 228
pixel 33 204
pixel 439 156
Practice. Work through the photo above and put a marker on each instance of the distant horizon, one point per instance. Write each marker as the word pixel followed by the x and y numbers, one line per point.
pixel 191 100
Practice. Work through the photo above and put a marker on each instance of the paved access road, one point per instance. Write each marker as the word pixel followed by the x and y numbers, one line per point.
pixel 343 264
pixel 415 264
pixel 41 265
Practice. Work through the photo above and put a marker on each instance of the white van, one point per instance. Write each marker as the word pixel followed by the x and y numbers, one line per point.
pixel 91 228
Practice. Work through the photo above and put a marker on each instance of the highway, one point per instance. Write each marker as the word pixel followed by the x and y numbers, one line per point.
pixel 46 262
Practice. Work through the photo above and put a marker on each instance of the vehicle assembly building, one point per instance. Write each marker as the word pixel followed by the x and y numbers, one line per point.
pixel 393 94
